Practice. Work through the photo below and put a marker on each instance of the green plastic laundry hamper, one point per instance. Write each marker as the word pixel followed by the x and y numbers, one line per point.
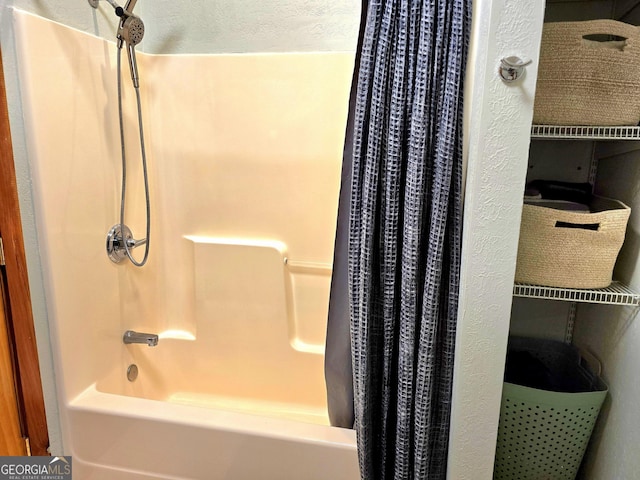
pixel 544 432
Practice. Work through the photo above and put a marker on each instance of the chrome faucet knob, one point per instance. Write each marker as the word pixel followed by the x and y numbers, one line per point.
pixel 115 242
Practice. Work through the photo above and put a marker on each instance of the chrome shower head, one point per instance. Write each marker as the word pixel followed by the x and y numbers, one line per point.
pixel 131 27
pixel 130 31
pixel 133 30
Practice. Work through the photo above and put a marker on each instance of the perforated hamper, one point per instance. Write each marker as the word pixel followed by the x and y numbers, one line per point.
pixel 543 434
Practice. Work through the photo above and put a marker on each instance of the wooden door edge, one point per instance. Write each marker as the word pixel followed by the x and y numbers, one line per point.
pixel 19 301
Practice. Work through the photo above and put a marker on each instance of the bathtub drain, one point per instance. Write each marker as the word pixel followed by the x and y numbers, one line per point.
pixel 132 372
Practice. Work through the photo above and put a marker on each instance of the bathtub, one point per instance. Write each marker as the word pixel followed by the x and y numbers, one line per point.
pixel 240 395
pixel 238 276
pixel 241 399
pixel 125 438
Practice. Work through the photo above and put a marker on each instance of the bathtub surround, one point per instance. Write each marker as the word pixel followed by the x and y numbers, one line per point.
pixel 246 185
pixel 405 233
pixel 173 27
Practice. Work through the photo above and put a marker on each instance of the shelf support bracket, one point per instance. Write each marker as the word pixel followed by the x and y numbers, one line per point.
pixel 571 322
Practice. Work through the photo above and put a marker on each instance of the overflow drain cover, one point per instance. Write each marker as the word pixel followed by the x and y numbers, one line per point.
pixel 132 372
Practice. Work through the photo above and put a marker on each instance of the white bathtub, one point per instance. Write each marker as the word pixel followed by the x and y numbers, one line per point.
pixel 237 280
pixel 193 415
pixel 121 437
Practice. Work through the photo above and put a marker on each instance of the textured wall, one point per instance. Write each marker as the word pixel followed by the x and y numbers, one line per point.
pixel 498 147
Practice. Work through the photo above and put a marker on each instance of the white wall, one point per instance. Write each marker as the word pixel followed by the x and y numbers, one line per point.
pixel 499 120
pixel 613 333
pixel 238 26
pixel 223 26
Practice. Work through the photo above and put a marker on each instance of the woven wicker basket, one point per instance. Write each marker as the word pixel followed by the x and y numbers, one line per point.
pixel 570 249
pixel 586 82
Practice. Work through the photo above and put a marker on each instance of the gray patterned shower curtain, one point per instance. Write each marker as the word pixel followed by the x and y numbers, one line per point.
pixel 394 294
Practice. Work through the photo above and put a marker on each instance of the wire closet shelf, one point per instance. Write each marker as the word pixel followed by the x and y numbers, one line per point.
pixel 614 294
pixel 585 132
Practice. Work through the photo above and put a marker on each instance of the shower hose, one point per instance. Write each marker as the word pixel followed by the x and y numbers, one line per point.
pixel 124 169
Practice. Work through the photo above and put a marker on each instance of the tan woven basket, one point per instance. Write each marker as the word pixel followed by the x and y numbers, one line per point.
pixel 570 249
pixel 586 82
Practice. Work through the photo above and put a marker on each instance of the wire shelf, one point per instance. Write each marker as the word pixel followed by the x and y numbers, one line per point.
pixel 614 294
pixel 585 133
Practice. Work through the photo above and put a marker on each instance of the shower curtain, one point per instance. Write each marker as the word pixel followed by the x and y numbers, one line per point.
pixel 394 292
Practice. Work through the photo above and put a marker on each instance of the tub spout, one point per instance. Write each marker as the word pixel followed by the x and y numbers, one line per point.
pixel 150 339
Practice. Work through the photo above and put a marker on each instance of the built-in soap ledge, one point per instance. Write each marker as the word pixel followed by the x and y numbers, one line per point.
pixel 176 335
pixel 254 282
pixel 308 267
pixel 309 303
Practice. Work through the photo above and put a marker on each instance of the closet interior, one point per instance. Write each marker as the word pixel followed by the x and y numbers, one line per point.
pixel 600 321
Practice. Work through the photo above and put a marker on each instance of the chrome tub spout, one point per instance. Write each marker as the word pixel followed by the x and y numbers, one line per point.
pixel 150 339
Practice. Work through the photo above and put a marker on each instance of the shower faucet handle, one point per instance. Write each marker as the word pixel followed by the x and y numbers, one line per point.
pixel 116 238
pixel 133 243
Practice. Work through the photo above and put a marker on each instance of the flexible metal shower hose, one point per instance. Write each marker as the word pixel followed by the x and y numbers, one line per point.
pixel 124 168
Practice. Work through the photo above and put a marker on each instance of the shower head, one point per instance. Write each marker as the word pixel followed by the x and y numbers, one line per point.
pixel 133 30
pixel 131 27
pixel 130 31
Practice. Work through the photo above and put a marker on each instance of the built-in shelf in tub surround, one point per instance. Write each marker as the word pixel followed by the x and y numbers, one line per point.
pixel 254 282
pixel 310 284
